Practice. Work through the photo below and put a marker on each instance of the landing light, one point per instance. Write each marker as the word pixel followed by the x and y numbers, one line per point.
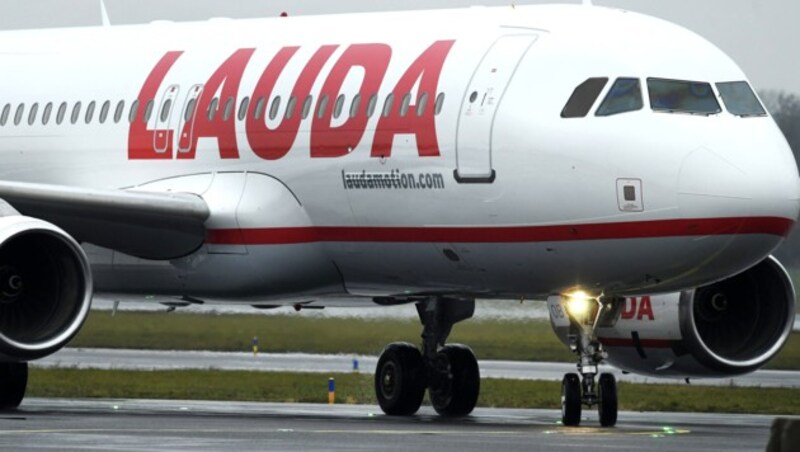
pixel 581 306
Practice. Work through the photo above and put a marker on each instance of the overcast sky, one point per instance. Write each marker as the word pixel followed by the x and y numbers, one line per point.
pixel 762 36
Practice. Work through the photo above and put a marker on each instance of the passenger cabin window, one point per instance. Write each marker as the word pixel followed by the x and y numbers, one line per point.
pixel 290 106
pixel 338 106
pixel 678 96
pixel 212 109
pixel 48 111
pixel 76 113
pixel 371 104
pixel 32 114
pixel 119 111
pixel 243 108
pixel 62 113
pixel 227 112
pixel 387 106
pixel 134 111
pixel 404 104
pixel 625 95
pixel 323 106
pixel 104 111
pixel 422 103
pixel 582 98
pixel 274 108
pixel 148 111
pixel 307 107
pixel 18 114
pixel 354 106
pixel 4 115
pixel 439 104
pixel 259 110
pixel 90 112
pixel 740 99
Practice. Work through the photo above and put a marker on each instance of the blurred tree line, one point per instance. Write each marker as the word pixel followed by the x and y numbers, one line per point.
pixel 785 109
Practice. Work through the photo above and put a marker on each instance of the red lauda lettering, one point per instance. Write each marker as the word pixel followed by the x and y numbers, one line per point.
pixel 272 144
pixel 640 310
pixel 228 77
pixel 425 70
pixel 645 309
pixel 325 139
pixel 329 141
pixel 141 140
pixel 629 308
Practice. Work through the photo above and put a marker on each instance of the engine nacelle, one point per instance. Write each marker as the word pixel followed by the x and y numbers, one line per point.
pixel 728 328
pixel 45 288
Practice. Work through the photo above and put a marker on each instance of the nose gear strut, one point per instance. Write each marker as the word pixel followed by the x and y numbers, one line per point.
pixel 584 388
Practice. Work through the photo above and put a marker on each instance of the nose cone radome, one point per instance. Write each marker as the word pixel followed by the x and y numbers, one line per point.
pixel 754 176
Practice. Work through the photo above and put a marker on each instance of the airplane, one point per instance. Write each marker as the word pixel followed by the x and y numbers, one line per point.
pixel 614 164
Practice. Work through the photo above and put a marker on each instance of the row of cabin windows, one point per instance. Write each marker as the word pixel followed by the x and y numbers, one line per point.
pixel 214 111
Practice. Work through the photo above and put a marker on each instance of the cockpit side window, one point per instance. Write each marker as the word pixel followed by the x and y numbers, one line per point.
pixel 624 96
pixel 583 98
pixel 740 99
pixel 678 96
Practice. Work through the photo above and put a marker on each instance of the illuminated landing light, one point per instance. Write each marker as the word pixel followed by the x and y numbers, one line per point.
pixel 581 307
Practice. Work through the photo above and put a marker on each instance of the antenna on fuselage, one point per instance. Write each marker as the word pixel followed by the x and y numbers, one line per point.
pixel 104 14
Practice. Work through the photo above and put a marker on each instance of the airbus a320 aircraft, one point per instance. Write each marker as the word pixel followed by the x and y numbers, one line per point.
pixel 583 155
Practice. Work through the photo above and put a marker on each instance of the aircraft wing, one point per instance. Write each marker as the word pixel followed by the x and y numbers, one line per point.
pixel 151 225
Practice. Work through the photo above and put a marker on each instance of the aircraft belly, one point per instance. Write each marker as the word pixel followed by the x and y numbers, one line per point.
pixel 484 270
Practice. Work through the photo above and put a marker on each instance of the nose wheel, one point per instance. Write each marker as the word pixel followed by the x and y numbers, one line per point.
pixel 584 388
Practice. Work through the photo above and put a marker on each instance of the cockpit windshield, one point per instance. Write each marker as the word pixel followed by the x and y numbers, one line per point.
pixel 740 99
pixel 624 96
pixel 678 96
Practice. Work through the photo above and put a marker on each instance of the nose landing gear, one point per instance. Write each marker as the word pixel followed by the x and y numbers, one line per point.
pixel 582 389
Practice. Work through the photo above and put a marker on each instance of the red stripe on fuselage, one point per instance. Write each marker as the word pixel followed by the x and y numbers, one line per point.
pixel 504 234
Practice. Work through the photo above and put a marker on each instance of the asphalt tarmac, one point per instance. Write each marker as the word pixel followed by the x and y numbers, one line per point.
pixel 63 424
pixel 296 362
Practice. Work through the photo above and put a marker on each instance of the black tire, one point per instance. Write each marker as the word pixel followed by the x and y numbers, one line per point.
pixel 607 398
pixel 13 381
pixel 458 394
pixel 400 379
pixel 571 400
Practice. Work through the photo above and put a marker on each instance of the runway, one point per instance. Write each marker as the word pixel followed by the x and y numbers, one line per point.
pixel 170 425
pixel 297 362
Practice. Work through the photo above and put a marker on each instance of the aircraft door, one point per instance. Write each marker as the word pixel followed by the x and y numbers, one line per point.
pixel 188 114
pixel 163 114
pixel 481 100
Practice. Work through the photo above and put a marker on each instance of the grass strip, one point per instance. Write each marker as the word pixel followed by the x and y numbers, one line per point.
pixel 490 339
pixel 358 389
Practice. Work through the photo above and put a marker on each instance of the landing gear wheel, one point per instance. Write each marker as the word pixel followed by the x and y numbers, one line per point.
pixel 400 379
pixel 456 392
pixel 607 400
pixel 571 400
pixel 13 381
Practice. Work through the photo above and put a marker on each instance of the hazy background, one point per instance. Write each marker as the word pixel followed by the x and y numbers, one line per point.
pixel 762 36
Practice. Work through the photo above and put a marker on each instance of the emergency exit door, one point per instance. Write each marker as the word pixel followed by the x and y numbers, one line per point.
pixel 478 109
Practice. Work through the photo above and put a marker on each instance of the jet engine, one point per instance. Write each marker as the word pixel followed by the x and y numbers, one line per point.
pixel 45 288
pixel 727 328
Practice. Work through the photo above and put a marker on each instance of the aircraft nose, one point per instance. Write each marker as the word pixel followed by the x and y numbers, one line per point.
pixel 753 182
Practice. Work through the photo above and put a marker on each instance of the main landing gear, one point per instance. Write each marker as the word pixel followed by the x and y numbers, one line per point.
pixel 13 381
pixel 576 391
pixel 449 372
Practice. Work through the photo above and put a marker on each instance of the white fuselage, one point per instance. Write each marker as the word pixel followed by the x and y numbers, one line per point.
pixel 486 191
